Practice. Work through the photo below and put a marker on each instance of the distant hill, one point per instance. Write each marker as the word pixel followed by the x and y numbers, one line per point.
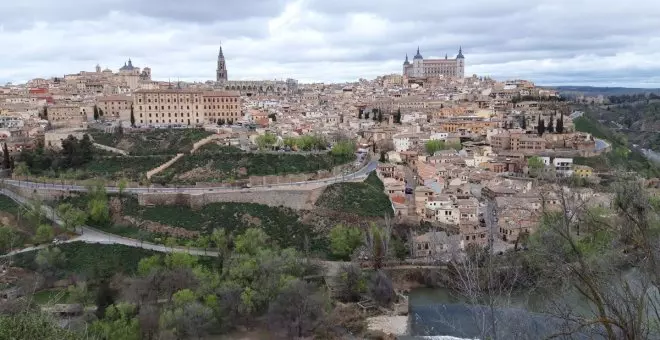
pixel 605 91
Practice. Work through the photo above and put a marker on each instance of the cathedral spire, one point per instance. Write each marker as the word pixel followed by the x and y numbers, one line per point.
pixel 406 62
pixel 221 72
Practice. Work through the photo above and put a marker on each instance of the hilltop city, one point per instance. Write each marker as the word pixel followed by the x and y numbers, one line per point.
pixel 112 173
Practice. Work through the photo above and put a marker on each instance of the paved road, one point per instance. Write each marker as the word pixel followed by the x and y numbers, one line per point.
pixel 360 174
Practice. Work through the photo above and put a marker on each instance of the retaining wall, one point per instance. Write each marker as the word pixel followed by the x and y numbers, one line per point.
pixel 295 199
pixel 163 166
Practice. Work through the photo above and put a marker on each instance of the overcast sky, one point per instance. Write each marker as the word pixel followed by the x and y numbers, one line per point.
pixel 578 42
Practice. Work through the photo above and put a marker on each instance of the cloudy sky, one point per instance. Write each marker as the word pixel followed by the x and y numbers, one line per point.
pixel 552 42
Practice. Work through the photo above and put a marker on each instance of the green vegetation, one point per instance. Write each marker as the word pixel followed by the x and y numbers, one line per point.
pixel 154 142
pixel 306 143
pixel 621 155
pixel 9 205
pixel 89 259
pixel 51 296
pixel 435 145
pixel 34 326
pixel 344 241
pixel 535 165
pixel 365 199
pixel 214 163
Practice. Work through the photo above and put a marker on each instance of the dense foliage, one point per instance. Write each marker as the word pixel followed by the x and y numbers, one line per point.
pixel 364 198
pixel 435 145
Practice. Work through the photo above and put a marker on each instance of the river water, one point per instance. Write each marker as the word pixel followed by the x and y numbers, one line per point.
pixel 442 312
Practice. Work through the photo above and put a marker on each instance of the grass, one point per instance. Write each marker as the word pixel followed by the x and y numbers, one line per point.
pixel 219 164
pixel 114 168
pixel 91 260
pixel 154 142
pixel 364 199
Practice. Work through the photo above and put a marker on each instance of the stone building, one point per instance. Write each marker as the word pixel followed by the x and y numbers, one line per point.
pixel 115 106
pixel 176 106
pixel 421 69
pixel 64 115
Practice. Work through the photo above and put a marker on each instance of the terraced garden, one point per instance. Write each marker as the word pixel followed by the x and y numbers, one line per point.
pixel 113 168
pixel 214 163
pixel 154 142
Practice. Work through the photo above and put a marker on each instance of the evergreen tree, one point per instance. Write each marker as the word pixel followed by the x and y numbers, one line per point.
pixel 5 154
pixel 380 116
pixel 523 122
pixel 45 116
pixel 551 126
pixel 360 113
pixel 375 113
pixel 541 127
pixel 560 123
pixel 132 117
pixel 96 112
pixel 397 118
pixel 366 115
pixel 100 113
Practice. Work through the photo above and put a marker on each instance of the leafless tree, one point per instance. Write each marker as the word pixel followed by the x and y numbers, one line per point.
pixel 298 310
pixel 377 242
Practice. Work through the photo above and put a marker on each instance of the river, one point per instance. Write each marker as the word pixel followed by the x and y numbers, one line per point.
pixel 442 312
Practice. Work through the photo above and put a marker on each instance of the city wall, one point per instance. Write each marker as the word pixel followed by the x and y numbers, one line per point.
pixel 295 199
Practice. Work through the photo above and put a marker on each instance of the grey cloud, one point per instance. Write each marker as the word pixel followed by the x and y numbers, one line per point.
pixel 180 38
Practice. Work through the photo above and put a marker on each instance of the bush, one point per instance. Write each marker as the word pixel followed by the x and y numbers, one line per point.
pixel 381 288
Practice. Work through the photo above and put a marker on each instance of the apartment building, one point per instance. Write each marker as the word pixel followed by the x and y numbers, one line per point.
pixel 175 106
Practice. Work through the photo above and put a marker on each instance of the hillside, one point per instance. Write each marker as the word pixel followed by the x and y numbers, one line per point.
pixel 364 198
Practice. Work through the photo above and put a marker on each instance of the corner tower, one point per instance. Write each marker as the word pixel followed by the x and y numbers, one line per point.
pixel 221 72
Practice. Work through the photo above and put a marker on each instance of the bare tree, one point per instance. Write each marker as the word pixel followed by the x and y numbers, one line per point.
pixel 377 242
pixel 298 310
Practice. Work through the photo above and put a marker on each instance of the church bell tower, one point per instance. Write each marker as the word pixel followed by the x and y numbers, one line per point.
pixel 221 72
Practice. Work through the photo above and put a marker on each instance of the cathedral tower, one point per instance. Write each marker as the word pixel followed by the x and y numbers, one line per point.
pixel 221 72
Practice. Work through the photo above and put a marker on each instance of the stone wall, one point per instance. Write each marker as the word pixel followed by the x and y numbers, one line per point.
pixel 163 166
pixel 295 199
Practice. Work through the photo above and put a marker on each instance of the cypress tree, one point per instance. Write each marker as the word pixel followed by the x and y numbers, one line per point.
pixel 541 127
pixel 5 154
pixel 96 112
pixel 523 123
pixel 132 117
pixel 560 123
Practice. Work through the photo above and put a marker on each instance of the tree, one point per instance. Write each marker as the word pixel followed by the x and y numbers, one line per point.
pixel 100 112
pixel 187 319
pixel 298 310
pixel 383 157
pixel 132 117
pixel 434 145
pixel 377 241
pixel 535 166
pixel 360 113
pixel 44 234
pixel 344 240
pixel 380 116
pixel 5 153
pixel 121 186
pixel 71 216
pixel 266 141
pixel 119 322
pixel 350 283
pixel 540 128
pixel 49 261
pixel 96 112
pixel 366 115
pixel 551 128
pixel 22 169
pixel 523 122
pixel 560 123
pixel 397 116
pixel 8 239
pixel 45 116
pixel 381 288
